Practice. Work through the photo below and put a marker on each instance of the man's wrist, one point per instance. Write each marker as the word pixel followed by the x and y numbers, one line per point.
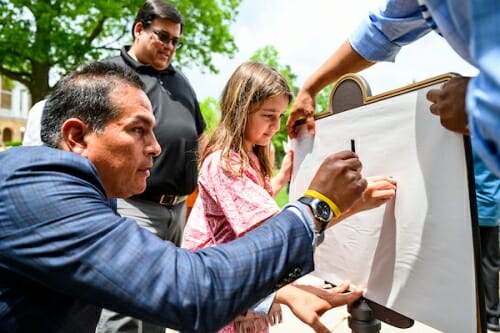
pixel 317 223
pixel 333 206
pixel 309 221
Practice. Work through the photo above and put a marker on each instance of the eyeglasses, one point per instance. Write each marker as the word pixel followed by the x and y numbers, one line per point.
pixel 165 38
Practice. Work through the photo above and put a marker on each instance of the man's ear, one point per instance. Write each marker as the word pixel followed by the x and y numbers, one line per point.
pixel 73 135
pixel 138 29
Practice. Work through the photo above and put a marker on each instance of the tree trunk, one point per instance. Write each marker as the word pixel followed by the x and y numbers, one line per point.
pixel 39 85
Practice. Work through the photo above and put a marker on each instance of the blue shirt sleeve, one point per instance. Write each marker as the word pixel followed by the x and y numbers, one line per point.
pixel 264 305
pixel 483 94
pixel 487 193
pixel 380 36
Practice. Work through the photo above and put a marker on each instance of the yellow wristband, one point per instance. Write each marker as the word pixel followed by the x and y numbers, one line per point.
pixel 315 194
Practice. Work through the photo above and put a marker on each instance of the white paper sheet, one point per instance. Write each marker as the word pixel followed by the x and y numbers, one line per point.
pixel 414 254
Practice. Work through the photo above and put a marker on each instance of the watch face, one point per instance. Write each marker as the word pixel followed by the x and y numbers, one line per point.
pixel 323 211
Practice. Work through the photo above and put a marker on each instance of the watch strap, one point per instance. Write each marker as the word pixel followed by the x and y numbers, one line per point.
pixel 315 194
pixel 309 201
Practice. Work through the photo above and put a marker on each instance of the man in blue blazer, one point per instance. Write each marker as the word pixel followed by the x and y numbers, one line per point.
pixel 65 253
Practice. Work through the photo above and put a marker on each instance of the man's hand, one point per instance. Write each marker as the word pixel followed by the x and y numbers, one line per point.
pixel 309 303
pixel 449 104
pixel 303 106
pixel 339 179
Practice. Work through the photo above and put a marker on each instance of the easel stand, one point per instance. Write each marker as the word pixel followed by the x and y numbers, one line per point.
pixel 361 319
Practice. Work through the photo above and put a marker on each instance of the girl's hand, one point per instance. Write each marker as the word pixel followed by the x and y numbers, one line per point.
pixel 285 173
pixel 380 189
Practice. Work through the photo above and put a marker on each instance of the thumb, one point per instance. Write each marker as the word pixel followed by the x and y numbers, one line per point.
pixel 318 326
pixel 311 125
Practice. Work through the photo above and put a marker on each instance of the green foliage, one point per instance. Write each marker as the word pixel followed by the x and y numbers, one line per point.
pixel 58 35
pixel 206 31
pixel 210 110
pixel 269 55
pixel 7 84
pixel 323 99
pixel 12 143
pixel 282 197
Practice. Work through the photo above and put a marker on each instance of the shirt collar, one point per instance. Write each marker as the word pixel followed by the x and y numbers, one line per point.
pixel 140 67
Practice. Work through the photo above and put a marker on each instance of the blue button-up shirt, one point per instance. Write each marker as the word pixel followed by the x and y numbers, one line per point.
pixel 472 29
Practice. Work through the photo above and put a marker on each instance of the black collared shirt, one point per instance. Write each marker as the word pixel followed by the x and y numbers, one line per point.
pixel 179 123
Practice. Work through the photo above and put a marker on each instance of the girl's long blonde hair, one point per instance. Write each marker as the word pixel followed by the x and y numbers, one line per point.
pixel 248 87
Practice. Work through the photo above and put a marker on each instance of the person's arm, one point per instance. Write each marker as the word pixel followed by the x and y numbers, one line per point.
pixel 65 237
pixel 379 37
pixel 284 174
pixel 32 134
pixel 483 92
pixel 309 303
pixel 344 60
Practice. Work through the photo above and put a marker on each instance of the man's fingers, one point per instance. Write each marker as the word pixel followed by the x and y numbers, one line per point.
pixel 351 296
pixel 433 95
pixel 290 125
pixel 336 296
pixel 339 179
pixel 318 326
pixel 311 125
pixel 341 288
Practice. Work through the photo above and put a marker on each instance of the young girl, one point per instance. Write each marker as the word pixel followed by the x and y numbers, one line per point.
pixel 235 187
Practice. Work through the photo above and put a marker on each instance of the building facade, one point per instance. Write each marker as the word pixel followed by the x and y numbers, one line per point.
pixel 15 102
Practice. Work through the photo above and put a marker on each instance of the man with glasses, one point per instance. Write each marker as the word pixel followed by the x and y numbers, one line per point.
pixel 161 208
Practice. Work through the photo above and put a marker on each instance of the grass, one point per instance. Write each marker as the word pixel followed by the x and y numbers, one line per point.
pixel 282 197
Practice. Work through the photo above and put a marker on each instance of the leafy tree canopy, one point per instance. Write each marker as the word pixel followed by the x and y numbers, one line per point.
pixel 44 39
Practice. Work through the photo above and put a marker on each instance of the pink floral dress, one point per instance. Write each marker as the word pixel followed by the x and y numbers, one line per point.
pixel 227 207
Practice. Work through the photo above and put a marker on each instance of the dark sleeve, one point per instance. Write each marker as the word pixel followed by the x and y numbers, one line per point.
pixel 67 238
pixel 198 117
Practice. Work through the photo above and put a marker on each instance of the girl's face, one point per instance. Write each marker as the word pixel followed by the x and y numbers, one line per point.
pixel 264 121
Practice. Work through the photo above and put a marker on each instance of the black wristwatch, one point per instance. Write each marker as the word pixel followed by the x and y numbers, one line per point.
pixel 320 209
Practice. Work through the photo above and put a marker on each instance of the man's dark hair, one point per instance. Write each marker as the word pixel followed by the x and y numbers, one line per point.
pixel 84 94
pixel 157 8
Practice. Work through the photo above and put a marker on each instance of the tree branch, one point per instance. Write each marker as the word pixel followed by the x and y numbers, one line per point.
pixel 16 76
pixel 97 30
pixel 106 47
